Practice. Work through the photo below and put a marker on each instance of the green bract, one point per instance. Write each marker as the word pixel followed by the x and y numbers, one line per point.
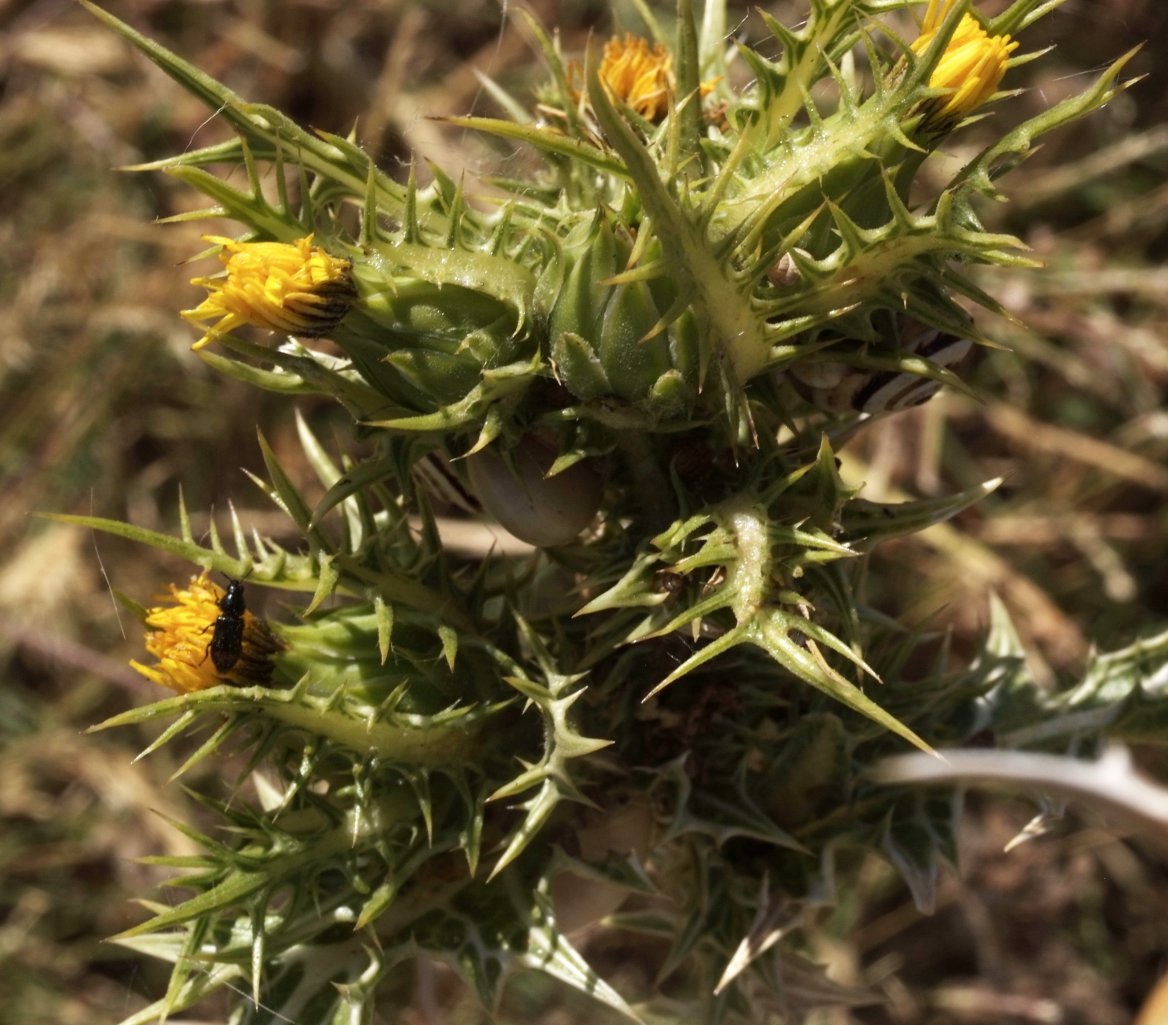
pixel 665 708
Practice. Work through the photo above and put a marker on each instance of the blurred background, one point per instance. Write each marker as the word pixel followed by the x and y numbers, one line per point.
pixel 105 411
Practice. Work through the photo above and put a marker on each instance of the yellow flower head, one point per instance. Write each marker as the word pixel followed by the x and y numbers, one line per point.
pixel 641 77
pixel 294 288
pixel 970 68
pixel 180 636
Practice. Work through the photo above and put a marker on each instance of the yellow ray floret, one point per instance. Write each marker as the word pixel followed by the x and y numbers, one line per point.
pixel 639 76
pixel 294 288
pixel 179 635
pixel 971 67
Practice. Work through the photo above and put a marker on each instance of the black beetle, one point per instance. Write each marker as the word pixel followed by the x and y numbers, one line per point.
pixel 227 639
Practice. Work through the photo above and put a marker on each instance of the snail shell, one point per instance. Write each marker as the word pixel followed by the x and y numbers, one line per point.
pixel 541 510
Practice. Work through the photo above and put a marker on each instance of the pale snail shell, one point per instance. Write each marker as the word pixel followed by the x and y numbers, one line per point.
pixel 838 387
pixel 541 510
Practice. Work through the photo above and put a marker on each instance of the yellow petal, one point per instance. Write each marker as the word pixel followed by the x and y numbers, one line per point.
pixel 180 633
pixel 292 288
pixel 969 70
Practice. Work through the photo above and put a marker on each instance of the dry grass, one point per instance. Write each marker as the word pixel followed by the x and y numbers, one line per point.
pixel 104 410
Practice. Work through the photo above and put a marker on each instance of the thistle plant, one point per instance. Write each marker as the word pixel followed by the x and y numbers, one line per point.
pixel 641 360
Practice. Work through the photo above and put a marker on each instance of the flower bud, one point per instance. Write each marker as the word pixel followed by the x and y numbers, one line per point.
pixel 291 288
pixel 969 70
pixel 183 634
